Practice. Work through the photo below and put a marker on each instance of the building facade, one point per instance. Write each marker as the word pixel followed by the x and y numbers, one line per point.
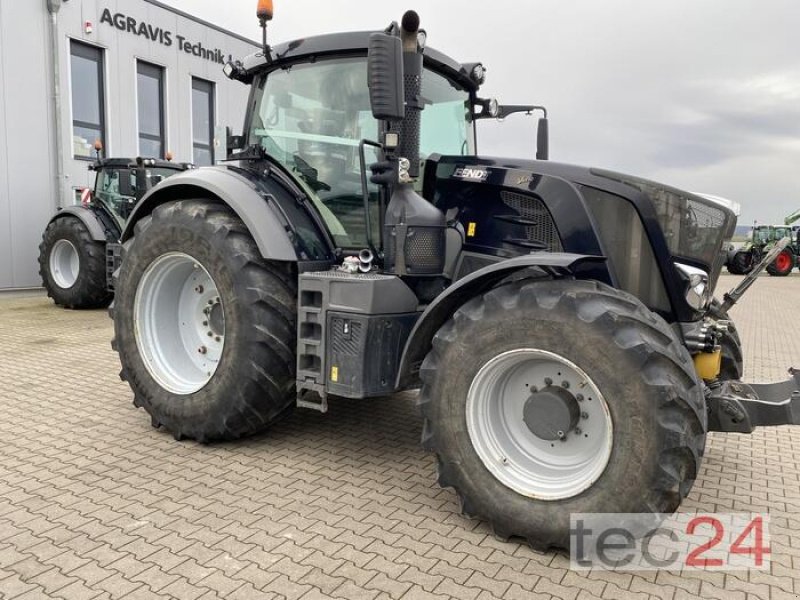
pixel 141 77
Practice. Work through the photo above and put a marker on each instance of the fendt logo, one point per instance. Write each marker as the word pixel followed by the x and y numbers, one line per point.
pixel 471 173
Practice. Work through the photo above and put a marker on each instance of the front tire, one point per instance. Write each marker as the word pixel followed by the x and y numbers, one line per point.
pixel 601 344
pixel 204 326
pixel 72 265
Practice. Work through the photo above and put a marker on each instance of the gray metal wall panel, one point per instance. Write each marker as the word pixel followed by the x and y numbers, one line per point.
pixel 5 220
pixel 30 178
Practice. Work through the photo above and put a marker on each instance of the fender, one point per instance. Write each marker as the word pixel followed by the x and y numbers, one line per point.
pixel 95 227
pixel 555 264
pixel 261 203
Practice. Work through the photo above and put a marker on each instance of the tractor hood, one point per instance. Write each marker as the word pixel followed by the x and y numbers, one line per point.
pixel 514 207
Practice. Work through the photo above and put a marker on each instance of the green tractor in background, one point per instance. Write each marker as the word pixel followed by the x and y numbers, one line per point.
pixel 742 260
pixel 79 248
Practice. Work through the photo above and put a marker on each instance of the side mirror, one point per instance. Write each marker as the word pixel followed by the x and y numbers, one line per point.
pixel 542 140
pixel 385 77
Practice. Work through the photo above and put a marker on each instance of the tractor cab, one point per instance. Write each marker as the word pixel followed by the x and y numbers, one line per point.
pixel 312 118
pixel 121 182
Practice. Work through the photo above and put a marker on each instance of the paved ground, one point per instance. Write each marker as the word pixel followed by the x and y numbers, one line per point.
pixel 96 503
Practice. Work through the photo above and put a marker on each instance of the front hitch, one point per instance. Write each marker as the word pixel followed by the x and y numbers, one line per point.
pixel 737 407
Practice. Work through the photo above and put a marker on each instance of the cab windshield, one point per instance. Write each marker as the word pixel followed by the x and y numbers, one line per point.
pixel 311 118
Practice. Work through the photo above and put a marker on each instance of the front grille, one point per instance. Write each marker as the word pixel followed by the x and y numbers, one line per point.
pixel 693 227
pixel 538 223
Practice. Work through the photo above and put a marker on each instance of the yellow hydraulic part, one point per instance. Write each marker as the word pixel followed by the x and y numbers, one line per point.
pixel 708 364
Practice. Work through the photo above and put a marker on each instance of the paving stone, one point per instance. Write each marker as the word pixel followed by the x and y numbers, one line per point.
pixel 95 503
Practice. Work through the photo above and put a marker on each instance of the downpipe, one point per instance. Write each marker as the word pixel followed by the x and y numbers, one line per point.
pixel 53 6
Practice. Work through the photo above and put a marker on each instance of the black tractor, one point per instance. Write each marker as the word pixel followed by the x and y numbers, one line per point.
pixel 557 319
pixel 79 245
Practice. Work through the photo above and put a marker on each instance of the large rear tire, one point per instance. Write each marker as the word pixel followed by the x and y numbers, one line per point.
pixel 204 326
pixel 508 361
pixel 73 266
pixel 741 263
pixel 783 264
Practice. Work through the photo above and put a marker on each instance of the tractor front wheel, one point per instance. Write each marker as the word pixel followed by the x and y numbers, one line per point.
pixel 204 326
pixel 73 266
pixel 546 399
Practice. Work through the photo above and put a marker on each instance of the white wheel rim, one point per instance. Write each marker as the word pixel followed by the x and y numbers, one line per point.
pixel 179 323
pixel 511 451
pixel 65 264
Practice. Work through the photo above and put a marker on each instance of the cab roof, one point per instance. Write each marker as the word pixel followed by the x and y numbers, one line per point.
pixel 353 43
pixel 133 162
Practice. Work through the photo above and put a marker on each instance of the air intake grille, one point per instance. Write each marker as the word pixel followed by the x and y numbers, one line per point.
pixel 424 250
pixel 538 223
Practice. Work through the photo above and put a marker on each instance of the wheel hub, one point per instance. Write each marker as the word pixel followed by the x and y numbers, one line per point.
pixel 216 318
pixel 551 413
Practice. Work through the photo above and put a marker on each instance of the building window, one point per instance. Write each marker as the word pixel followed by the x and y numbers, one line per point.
pixel 202 122
pixel 88 101
pixel 150 95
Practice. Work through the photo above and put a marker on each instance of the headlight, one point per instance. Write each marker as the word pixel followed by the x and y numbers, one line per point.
pixel 698 293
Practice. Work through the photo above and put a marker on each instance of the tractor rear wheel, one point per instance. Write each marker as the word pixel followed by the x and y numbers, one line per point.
pixel 73 266
pixel 204 326
pixel 546 399
pixel 782 265
pixel 732 357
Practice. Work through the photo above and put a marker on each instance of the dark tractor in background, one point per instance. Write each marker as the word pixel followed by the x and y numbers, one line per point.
pixel 558 319
pixel 77 253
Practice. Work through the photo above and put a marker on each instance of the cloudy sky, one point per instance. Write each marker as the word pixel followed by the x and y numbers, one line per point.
pixel 701 94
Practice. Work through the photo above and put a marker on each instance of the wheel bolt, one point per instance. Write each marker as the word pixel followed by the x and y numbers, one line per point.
pixel 584 415
pixel 579 397
pixel 210 334
pixel 565 384
pixel 561 434
pixel 210 302
pixel 202 349
pixel 548 381
pixel 205 323
pixel 578 431
pixel 199 289
pixel 218 338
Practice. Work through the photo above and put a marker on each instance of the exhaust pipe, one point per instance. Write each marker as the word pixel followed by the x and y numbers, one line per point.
pixel 365 258
pixel 414 229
